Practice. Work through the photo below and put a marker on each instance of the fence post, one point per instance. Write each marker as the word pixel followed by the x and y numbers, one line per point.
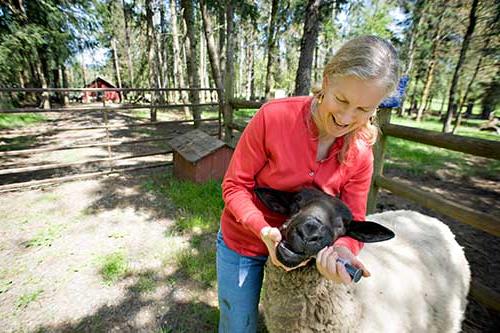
pixel 384 117
pixel 106 123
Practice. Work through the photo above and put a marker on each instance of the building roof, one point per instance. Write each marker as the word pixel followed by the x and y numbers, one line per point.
pixel 195 145
pixel 98 78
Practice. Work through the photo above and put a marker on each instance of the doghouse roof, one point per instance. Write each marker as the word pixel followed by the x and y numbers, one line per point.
pixel 97 79
pixel 195 145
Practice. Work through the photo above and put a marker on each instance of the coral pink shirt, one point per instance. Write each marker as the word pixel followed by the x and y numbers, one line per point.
pixel 278 150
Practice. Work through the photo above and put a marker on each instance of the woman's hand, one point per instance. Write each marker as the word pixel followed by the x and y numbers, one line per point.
pixel 271 237
pixel 327 265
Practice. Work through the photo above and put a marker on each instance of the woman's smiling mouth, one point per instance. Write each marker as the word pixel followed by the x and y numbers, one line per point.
pixel 336 123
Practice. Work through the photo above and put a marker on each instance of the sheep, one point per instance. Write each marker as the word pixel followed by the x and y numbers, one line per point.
pixel 420 279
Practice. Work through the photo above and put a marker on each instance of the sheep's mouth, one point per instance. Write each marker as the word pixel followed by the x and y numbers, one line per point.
pixel 295 248
pixel 288 257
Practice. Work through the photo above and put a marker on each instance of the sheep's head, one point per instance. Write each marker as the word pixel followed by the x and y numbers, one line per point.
pixel 316 220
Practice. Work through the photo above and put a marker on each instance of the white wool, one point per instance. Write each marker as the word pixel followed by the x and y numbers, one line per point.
pixel 419 283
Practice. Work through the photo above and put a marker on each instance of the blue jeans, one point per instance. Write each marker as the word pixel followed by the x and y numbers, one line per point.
pixel 239 281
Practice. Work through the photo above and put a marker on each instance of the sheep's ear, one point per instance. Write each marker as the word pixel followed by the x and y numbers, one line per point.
pixel 275 200
pixel 368 232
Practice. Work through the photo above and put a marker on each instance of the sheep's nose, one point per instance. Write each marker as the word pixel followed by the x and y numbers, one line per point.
pixel 309 230
pixel 308 236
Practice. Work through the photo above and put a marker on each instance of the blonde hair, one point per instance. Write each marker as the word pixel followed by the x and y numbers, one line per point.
pixel 367 58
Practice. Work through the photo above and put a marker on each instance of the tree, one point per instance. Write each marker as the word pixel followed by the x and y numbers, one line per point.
pixel 271 46
pixel 307 45
pixel 191 58
pixel 452 101
pixel 212 51
pixel 229 71
pixel 436 40
pixel 130 68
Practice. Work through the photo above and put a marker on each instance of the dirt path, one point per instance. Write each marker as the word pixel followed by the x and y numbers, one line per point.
pixel 53 241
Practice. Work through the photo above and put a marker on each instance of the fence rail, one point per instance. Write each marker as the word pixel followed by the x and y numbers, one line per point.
pixel 473 146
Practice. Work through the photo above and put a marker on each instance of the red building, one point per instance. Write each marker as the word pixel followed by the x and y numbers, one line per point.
pixel 90 96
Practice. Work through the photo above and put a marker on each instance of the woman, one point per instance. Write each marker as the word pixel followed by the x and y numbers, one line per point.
pixel 322 141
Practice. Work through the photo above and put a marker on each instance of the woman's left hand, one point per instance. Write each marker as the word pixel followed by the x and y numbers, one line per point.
pixel 327 265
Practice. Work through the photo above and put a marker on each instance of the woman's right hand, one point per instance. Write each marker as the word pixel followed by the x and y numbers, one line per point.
pixel 271 237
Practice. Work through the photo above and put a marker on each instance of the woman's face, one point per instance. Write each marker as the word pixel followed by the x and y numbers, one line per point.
pixel 348 103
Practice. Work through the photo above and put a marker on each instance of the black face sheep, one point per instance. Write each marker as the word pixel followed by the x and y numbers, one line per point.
pixel 419 279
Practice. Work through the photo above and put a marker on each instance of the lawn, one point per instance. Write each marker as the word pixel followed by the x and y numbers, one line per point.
pixel 8 121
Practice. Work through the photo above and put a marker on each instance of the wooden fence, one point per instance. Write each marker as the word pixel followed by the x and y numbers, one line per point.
pixel 477 147
pixel 108 143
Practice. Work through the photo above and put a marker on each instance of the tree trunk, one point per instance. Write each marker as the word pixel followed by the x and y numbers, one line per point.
pixel 249 93
pixel 65 84
pixel 213 55
pixel 153 68
pixel 128 47
pixel 45 102
pixel 442 107
pixel 241 61
pixel 57 73
pixel 419 6
pixel 163 49
pixel 316 69
pixel 116 64
pixel 228 83
pixel 271 47
pixel 84 71
pixel 436 39
pixel 484 49
pixel 413 101
pixel 177 61
pixel 222 38
pixel 428 104
pixel 203 67
pixel 60 84
pixel 307 45
pixel 192 59
pixel 461 59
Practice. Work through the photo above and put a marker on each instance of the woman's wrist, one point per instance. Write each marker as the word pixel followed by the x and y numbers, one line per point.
pixel 255 223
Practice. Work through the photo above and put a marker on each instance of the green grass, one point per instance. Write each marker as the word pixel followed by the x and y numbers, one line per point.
pixel 17 143
pixel 198 205
pixel 112 267
pixel 46 236
pixel 146 283
pixel 199 264
pixel 5 285
pixel 468 127
pixel 195 316
pixel 24 300
pixel 418 159
pixel 8 121
pixel 241 115
pixel 198 209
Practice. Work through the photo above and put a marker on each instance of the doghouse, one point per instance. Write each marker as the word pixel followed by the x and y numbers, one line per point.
pixel 199 157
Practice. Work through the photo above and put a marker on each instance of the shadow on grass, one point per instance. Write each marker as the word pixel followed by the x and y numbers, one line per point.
pixel 125 316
